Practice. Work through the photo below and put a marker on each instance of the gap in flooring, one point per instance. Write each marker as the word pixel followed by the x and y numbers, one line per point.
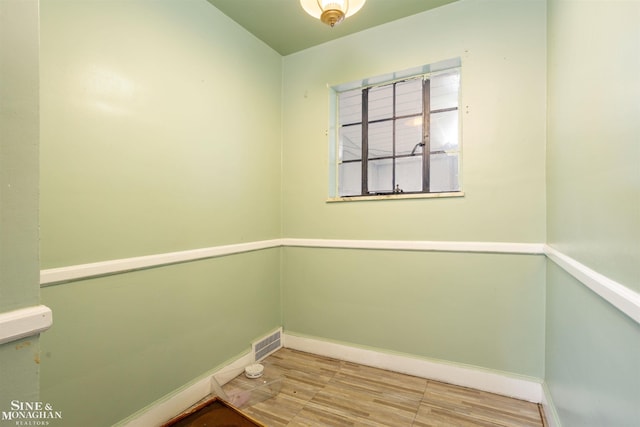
pixel 321 391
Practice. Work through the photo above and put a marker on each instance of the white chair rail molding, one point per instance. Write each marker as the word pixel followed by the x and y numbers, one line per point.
pixel 24 322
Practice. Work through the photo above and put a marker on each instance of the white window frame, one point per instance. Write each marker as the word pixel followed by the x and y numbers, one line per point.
pixel 387 79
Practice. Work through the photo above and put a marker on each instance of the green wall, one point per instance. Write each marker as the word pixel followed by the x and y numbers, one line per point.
pixel 166 127
pixel 19 124
pixel 502 48
pixel 474 309
pixel 161 132
pixel 593 182
pixel 412 298
pixel 593 354
pixel 593 132
pixel 119 343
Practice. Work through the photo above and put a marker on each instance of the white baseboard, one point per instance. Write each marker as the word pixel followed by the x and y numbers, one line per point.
pixel 550 412
pixel 178 401
pixel 457 374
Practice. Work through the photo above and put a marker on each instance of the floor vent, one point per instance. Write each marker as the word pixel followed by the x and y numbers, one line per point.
pixel 267 345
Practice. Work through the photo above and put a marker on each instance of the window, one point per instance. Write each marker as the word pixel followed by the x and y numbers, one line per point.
pixel 400 135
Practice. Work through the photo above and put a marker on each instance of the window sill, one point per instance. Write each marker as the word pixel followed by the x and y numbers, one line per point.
pixel 395 197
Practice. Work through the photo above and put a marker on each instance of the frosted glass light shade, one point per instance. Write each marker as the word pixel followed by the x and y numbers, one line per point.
pixel 331 11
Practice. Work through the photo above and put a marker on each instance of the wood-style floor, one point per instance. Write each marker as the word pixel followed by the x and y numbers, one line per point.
pixel 320 391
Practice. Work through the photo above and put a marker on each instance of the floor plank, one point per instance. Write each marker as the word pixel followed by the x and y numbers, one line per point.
pixel 319 391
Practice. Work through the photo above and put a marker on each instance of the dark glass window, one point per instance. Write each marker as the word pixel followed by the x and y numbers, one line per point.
pixel 400 137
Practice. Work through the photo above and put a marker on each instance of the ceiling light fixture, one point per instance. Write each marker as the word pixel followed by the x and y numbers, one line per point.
pixel 331 12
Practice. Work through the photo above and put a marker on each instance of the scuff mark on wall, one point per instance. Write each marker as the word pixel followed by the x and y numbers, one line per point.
pixel 23 345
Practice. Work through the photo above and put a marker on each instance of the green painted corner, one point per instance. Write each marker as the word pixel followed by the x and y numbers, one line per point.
pixel 155 138
pixel 19 132
pixel 592 356
pixel 19 374
pixel 165 126
pixel 484 310
pixel 142 335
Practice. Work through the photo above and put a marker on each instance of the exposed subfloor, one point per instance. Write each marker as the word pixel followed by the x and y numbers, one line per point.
pixel 320 391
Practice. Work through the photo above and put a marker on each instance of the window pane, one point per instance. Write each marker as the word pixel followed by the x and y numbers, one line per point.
pixel 350 147
pixel 380 176
pixel 444 131
pixel 444 90
pixel 444 173
pixel 395 129
pixel 409 173
pixel 381 139
pixel 350 107
pixel 349 179
pixel 409 97
pixel 408 135
pixel 380 102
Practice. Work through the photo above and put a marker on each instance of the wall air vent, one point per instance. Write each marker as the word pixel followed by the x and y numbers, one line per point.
pixel 267 345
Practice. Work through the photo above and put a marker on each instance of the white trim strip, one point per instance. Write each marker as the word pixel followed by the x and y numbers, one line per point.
pixel 180 400
pixel 24 322
pixel 550 412
pixel 462 375
pixel 621 297
pixel 162 411
pixel 396 196
pixel 83 271
pixel 176 402
pixel 64 274
pixel 421 245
